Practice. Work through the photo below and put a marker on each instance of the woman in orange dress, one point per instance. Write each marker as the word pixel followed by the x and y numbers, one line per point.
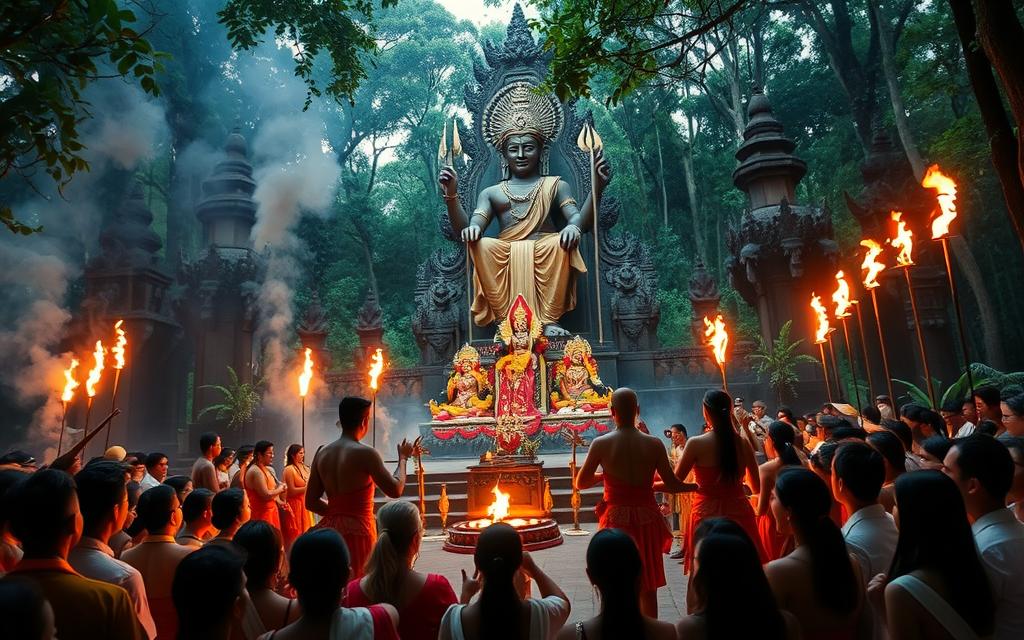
pixel 781 450
pixel 719 458
pixel 296 475
pixel 262 486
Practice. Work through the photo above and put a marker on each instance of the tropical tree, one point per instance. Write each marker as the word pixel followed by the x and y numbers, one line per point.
pixel 239 401
pixel 778 361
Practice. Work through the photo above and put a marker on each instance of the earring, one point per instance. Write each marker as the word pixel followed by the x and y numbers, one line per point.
pixel 504 169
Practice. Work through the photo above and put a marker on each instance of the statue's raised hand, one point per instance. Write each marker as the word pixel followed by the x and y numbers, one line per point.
pixel 449 181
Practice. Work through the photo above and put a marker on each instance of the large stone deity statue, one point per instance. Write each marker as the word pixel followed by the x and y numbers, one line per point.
pixel 530 256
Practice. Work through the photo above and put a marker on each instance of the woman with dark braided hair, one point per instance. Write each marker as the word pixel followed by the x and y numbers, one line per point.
pixel 720 459
pixel 500 613
pixel 780 448
pixel 614 568
pixel 818 581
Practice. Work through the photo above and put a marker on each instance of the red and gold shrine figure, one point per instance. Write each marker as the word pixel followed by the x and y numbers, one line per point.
pixel 520 372
pixel 469 391
pixel 577 387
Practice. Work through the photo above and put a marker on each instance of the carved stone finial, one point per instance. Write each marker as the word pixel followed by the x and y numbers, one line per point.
pixel 370 316
pixel 227 210
pixel 314 320
pixel 702 285
pixel 128 240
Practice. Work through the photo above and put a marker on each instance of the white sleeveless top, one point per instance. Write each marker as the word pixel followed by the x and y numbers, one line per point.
pixel 547 615
pixel 354 623
pixel 935 605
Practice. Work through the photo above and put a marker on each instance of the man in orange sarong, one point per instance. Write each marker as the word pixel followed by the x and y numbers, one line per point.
pixel 629 459
pixel 346 471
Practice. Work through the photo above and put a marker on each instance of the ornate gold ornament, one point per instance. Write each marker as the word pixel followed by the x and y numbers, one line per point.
pixel 517 109
pixel 467 352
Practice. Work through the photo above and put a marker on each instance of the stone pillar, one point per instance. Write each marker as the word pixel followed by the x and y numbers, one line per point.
pixel 704 298
pixel 312 330
pixel 781 251
pixel 126 281
pixel 370 327
pixel 223 282
pixel 890 185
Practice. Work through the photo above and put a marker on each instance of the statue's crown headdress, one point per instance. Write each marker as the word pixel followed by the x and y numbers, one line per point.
pixel 517 109
pixel 578 345
pixel 467 352
pixel 520 317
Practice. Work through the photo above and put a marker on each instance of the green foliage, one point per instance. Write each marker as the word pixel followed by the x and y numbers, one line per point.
pixel 239 401
pixel 960 388
pixel 778 361
pixel 50 52
pixel 342 30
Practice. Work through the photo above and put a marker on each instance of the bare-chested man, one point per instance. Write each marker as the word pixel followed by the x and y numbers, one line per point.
pixel 629 459
pixel 204 474
pixel 347 470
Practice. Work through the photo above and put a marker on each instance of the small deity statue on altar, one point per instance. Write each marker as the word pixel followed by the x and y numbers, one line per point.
pixel 577 387
pixel 469 391
pixel 530 257
pixel 520 369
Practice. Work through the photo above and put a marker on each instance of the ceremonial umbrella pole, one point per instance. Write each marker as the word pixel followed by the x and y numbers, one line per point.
pixel 70 384
pixel 118 352
pixel 872 267
pixel 718 340
pixel 590 141
pixel 447 156
pixel 376 368
pixel 94 378
pixel 821 332
pixel 904 242
pixel 945 190
pixel 841 297
pixel 304 378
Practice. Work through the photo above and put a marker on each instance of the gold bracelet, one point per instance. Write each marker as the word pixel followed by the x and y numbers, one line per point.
pixel 449 198
pixel 565 202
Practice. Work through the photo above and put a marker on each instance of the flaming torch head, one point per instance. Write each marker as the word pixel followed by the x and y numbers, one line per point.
pixel 498 510
pixel 307 373
pixel 841 296
pixel 70 384
pixel 119 345
pixel 717 337
pixel 96 372
pixel 871 266
pixel 904 241
pixel 376 368
pixel 945 193
pixel 821 332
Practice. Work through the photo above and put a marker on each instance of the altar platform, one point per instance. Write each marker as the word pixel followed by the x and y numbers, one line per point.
pixel 472 437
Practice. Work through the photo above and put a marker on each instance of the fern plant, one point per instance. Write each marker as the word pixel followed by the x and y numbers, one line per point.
pixel 778 361
pixel 983 375
pixel 239 401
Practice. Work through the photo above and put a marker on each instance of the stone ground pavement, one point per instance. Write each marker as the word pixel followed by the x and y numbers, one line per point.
pixel 566 564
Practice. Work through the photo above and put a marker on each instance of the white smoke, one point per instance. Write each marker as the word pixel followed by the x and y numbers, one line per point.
pixel 294 175
pixel 125 128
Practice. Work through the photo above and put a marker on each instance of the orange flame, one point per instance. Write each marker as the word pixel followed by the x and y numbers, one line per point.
pixel 97 370
pixel 70 384
pixel 904 241
pixel 718 337
pixel 841 296
pixel 307 373
pixel 498 510
pixel 823 328
pixel 945 193
pixel 871 266
pixel 376 368
pixel 118 348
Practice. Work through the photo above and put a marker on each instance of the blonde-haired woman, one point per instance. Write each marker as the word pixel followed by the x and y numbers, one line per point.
pixel 421 599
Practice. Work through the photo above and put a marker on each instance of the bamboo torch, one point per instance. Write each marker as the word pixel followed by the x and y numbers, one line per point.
pixel 70 384
pixel 821 331
pixel 376 368
pixel 118 351
pixel 718 340
pixel 841 298
pixel 871 268
pixel 904 243
pixel 304 379
pixel 98 355
pixel 590 141
pixel 945 193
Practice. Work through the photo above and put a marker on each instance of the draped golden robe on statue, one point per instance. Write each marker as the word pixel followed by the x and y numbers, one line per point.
pixel 539 268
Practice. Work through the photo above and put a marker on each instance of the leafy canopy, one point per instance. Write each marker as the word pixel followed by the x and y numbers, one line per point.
pixel 49 53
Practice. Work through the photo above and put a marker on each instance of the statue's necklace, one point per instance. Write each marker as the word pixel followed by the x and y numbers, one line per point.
pixel 513 198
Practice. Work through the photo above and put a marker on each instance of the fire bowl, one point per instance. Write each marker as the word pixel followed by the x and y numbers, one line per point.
pixel 536 533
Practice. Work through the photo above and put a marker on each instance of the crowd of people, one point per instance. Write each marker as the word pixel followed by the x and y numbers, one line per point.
pixel 883 522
